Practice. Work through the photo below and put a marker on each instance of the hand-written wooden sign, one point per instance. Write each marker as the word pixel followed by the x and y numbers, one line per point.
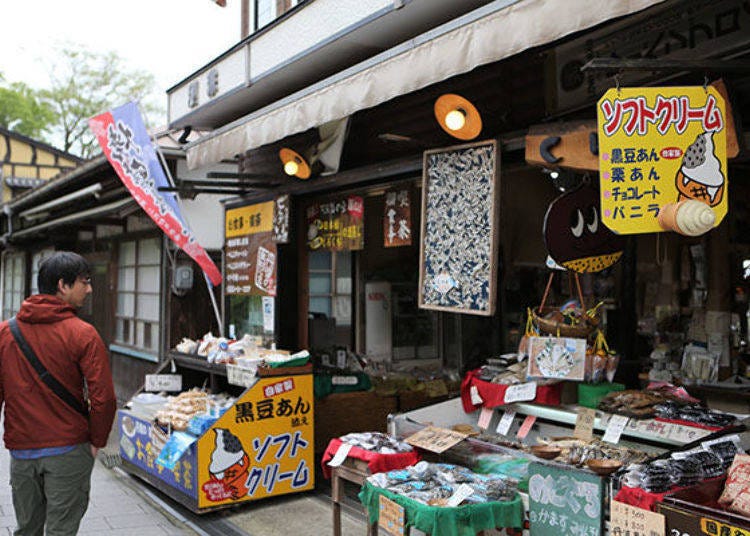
pixel 435 439
pixel 585 423
pixel 397 218
pixel 281 219
pixel 626 519
pixel 458 253
pixel 336 225
pixel 391 517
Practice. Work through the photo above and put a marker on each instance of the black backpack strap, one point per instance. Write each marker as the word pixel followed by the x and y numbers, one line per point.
pixel 44 374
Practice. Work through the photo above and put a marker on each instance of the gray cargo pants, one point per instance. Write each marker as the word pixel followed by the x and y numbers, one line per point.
pixel 53 489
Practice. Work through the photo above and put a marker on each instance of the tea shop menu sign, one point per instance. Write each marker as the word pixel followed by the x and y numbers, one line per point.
pixel 250 250
pixel 336 225
pixel 657 146
pixel 397 218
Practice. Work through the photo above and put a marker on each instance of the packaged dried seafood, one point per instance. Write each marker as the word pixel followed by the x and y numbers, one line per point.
pixel 433 483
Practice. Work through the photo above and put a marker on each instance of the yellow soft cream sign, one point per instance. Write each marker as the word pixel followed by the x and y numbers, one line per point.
pixel 262 446
pixel 660 146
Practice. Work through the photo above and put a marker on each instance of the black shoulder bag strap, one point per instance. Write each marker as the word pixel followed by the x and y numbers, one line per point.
pixel 44 374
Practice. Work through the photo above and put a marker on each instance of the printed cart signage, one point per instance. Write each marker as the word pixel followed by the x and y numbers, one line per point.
pixel 262 446
pixel 658 146
pixel 141 443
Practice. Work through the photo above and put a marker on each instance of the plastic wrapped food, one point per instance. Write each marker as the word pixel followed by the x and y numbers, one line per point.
pixel 434 483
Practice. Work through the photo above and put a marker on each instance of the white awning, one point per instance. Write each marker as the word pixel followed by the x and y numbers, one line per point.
pixel 115 207
pixel 489 34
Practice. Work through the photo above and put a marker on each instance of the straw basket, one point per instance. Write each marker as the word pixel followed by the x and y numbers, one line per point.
pixel 557 328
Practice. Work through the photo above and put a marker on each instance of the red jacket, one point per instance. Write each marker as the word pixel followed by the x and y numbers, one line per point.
pixel 72 351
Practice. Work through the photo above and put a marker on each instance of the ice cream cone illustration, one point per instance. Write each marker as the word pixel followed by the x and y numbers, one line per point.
pixel 688 217
pixel 700 175
pixel 230 464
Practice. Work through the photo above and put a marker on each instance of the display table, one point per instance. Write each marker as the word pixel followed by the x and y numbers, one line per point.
pixel 374 461
pixel 466 520
pixel 493 394
pixel 358 465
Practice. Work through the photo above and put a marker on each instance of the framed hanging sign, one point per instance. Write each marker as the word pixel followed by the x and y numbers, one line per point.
pixel 336 225
pixel 458 250
pixel 397 218
pixel 250 250
pixel 661 149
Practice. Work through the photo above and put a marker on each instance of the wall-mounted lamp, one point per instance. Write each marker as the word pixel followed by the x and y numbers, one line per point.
pixel 458 117
pixel 294 164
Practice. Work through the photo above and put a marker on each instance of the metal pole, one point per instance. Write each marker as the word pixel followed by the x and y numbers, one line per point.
pixel 210 288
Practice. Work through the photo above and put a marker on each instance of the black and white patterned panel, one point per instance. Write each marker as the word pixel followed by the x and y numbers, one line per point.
pixel 459 216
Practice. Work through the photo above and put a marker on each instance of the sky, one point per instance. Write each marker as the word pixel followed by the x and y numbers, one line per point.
pixel 167 38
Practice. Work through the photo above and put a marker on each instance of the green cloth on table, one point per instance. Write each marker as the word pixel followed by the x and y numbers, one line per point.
pixel 296 362
pixel 464 520
pixel 323 384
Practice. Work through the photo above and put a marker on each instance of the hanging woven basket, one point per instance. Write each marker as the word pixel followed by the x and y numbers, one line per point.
pixel 588 321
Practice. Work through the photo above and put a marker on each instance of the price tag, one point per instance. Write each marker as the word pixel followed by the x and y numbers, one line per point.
pixel 341 454
pixel 240 377
pixel 585 423
pixel 520 392
pixel 528 422
pixel 686 434
pixel 391 516
pixel 615 428
pixel 435 439
pixel 626 519
pixel 163 382
pixel 506 421
pixel 475 398
pixel 344 380
pixel 484 418
pixel 460 495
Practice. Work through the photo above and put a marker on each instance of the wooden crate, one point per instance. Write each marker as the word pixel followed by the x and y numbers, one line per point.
pixel 341 413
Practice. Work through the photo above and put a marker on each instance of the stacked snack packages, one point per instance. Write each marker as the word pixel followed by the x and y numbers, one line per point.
pixel 179 410
pixel 601 362
pixel 736 495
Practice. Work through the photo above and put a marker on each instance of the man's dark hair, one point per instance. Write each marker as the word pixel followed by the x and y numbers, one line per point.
pixel 64 265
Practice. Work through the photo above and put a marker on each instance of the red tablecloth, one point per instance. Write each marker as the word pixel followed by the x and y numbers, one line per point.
pixel 690 423
pixel 640 497
pixel 493 394
pixel 646 499
pixel 376 462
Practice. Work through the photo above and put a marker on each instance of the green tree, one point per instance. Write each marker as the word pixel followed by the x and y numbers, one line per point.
pixel 85 83
pixel 23 111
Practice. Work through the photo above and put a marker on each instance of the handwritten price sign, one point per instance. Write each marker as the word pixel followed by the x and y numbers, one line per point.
pixel 435 439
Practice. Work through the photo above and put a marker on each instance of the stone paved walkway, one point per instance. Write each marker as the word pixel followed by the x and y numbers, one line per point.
pixel 117 506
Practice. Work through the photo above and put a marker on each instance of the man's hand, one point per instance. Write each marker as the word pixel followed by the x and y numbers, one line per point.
pixel 94 450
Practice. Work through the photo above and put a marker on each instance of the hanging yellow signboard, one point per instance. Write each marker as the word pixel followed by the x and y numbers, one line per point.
pixel 659 146
pixel 263 446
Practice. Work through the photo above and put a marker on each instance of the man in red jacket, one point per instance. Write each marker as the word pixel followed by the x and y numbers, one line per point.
pixel 52 444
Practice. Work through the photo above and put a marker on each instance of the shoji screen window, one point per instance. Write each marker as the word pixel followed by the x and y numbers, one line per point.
pixel 138 283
